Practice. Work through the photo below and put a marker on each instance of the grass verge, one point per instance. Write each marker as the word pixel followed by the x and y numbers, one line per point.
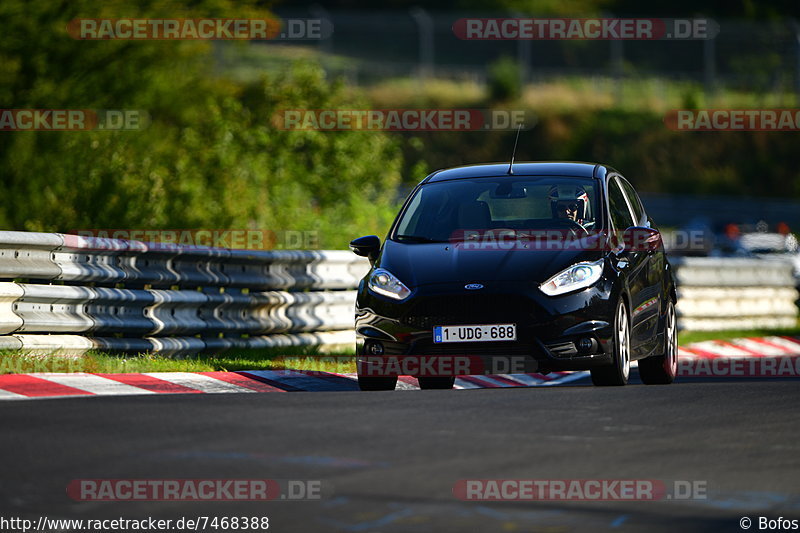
pixel 687 337
pixel 304 358
pixel 300 358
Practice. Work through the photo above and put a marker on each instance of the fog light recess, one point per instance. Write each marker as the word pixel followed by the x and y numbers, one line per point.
pixel 587 345
pixel 373 348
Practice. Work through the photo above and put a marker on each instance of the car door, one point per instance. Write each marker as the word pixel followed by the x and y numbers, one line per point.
pixel 647 311
pixel 632 264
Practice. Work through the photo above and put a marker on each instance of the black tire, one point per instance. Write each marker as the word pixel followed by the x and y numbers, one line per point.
pixel 436 383
pixel 616 374
pixel 377 383
pixel 661 369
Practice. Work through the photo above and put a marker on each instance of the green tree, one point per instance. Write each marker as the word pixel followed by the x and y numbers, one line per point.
pixel 212 156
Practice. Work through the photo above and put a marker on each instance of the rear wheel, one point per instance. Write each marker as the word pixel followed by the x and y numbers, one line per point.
pixel 617 372
pixel 661 369
pixel 436 383
pixel 377 383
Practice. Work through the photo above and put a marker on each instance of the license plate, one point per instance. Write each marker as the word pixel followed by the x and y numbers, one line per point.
pixel 475 333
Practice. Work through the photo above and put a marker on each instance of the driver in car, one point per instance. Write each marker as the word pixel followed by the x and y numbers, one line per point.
pixel 570 203
pixel 568 209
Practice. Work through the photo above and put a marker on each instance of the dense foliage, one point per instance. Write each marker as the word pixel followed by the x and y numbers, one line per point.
pixel 211 157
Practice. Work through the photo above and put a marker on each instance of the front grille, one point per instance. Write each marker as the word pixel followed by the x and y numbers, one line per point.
pixel 563 349
pixel 453 310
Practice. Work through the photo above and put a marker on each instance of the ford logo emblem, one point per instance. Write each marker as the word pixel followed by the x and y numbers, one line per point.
pixel 473 286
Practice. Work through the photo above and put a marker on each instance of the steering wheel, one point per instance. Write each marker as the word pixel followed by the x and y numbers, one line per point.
pixel 571 225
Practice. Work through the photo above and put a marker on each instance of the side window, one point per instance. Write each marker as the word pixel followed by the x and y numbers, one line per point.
pixel 636 203
pixel 618 207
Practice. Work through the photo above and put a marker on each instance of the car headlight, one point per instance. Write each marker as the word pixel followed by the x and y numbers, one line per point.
pixel 576 277
pixel 385 283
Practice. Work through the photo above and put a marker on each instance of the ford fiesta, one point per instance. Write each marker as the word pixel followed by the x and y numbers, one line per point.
pixel 532 267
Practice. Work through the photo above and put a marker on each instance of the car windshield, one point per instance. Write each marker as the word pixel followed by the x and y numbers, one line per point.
pixel 440 210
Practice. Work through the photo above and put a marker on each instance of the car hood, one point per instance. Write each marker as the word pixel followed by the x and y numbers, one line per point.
pixel 424 264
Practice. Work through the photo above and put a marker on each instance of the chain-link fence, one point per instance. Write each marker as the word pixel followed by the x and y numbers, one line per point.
pixel 371 46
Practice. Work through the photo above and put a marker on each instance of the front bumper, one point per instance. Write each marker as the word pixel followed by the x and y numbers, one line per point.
pixel 549 329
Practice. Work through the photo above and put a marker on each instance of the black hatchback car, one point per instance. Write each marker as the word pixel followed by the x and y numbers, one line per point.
pixel 543 266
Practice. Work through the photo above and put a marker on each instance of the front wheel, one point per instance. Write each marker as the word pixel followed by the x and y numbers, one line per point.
pixel 661 369
pixel 617 372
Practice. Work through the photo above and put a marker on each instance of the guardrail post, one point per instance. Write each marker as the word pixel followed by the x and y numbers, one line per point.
pixel 710 66
pixel 426 53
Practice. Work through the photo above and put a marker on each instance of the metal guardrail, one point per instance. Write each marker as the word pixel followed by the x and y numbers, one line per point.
pixel 72 294
pixel 734 293
pixel 107 262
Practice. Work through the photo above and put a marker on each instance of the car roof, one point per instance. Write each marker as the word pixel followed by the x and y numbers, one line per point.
pixel 543 168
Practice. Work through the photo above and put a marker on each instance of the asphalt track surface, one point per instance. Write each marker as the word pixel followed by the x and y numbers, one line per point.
pixel 388 461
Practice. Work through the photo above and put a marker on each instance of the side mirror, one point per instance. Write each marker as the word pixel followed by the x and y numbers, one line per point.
pixel 368 246
pixel 641 239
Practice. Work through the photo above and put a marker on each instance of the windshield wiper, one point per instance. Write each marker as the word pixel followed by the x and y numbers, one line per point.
pixel 416 238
